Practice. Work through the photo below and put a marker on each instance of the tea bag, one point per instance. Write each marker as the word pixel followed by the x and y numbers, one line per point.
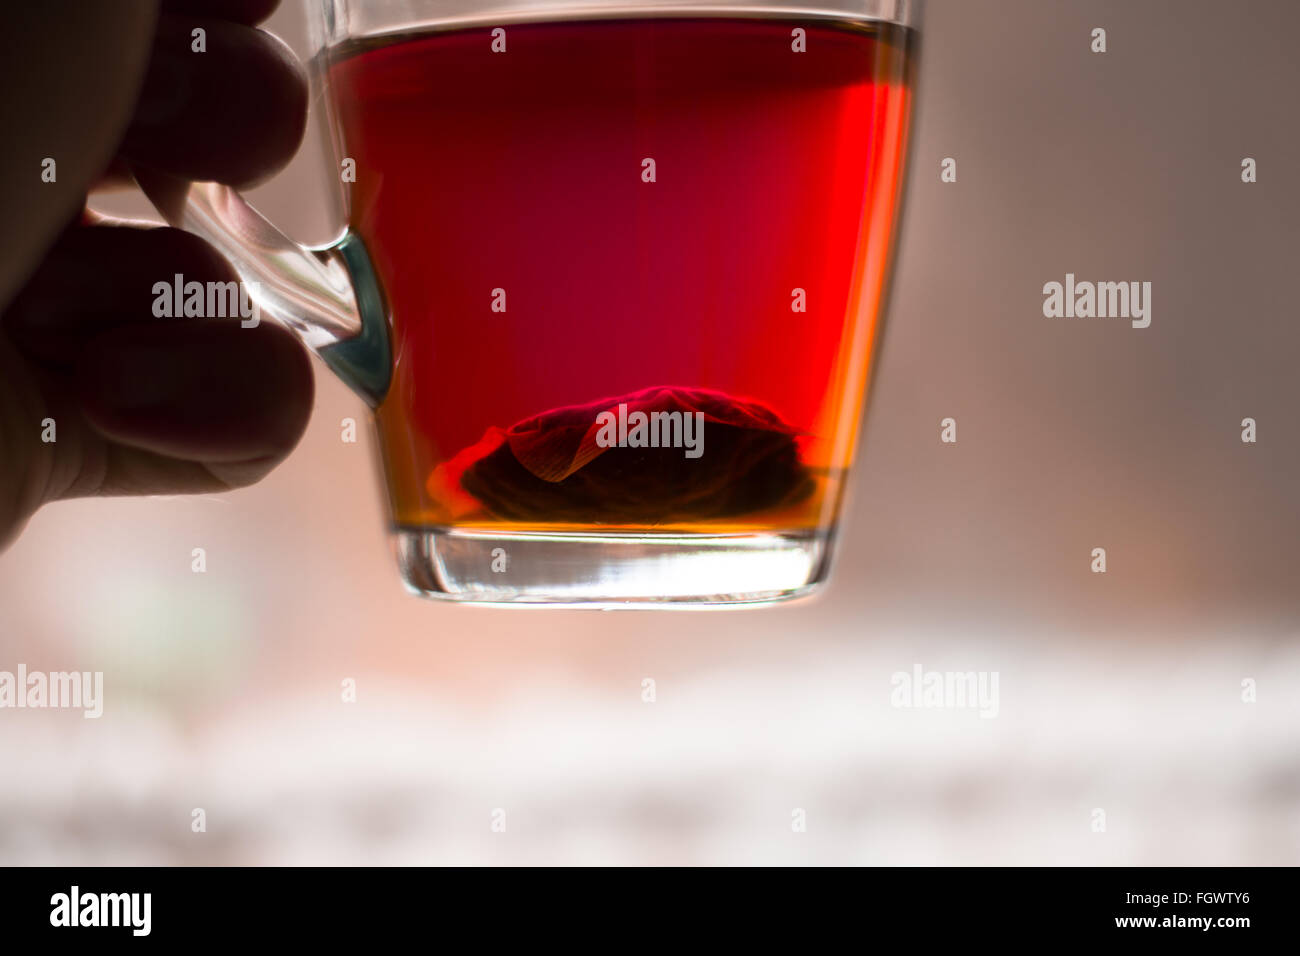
pixel 559 466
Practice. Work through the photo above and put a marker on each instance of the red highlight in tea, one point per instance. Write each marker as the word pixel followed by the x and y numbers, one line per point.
pixel 667 216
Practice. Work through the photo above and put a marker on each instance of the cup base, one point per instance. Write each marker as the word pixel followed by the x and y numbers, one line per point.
pixel 612 570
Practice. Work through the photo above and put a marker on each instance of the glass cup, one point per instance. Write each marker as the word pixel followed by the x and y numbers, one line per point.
pixel 611 281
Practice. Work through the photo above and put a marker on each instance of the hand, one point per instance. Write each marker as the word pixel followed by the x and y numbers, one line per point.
pixel 139 405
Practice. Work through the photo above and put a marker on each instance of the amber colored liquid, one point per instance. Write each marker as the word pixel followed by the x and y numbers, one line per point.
pixel 523 171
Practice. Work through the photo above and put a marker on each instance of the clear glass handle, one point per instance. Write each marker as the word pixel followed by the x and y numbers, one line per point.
pixel 328 295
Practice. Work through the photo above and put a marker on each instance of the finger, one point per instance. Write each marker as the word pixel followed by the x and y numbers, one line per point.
pixel 206 390
pixel 248 12
pixel 233 114
pixel 83 461
pixel 127 470
pixel 102 276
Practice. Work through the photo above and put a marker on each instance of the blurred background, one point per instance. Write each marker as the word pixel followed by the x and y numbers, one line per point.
pixel 1119 691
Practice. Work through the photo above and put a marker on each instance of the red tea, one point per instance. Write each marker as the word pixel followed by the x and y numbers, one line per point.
pixel 686 219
